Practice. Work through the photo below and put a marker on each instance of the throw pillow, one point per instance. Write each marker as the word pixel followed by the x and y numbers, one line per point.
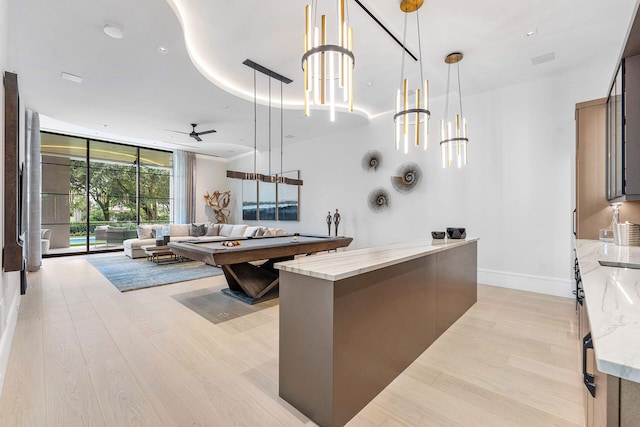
pixel 144 232
pixel 261 231
pixel 226 229
pixel 250 231
pixel 238 230
pixel 177 230
pixel 198 230
pixel 213 230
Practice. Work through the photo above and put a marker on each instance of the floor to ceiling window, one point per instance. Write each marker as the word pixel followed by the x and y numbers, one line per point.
pixel 94 193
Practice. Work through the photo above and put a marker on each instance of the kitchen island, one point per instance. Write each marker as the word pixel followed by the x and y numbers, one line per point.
pixel 350 322
pixel 612 297
pixel 609 306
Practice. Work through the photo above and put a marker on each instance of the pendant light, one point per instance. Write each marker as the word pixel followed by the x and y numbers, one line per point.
pixel 321 61
pixel 255 176
pixel 450 142
pixel 419 114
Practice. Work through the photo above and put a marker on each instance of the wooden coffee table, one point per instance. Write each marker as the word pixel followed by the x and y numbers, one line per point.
pixel 162 255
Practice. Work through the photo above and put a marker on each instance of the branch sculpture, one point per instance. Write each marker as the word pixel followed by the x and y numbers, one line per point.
pixel 219 203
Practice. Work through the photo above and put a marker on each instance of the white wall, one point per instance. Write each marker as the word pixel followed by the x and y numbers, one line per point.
pixel 515 195
pixel 9 282
pixel 211 175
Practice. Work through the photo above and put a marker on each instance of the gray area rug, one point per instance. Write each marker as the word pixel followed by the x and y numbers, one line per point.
pixel 128 274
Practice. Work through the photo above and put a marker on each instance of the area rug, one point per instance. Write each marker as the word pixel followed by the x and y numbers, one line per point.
pixel 128 274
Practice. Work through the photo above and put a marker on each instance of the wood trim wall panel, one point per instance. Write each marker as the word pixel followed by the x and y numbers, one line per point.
pixel 12 251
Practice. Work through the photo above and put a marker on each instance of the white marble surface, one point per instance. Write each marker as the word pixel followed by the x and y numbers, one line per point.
pixel 612 297
pixel 341 265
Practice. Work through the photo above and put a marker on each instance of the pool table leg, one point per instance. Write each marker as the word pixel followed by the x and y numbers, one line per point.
pixel 250 283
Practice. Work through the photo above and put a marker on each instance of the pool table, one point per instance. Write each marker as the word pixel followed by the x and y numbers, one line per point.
pixel 248 281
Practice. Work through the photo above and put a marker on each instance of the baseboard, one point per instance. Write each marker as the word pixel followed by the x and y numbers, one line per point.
pixel 7 335
pixel 526 282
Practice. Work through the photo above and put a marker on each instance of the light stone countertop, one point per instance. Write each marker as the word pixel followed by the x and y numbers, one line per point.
pixel 342 265
pixel 612 296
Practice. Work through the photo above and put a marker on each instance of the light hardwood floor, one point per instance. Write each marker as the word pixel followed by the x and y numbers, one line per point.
pixel 85 354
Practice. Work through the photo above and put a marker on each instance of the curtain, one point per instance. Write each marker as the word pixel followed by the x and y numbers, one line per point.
pixel 31 205
pixel 183 189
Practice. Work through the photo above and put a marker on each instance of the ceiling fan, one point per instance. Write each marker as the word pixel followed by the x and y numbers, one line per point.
pixel 195 135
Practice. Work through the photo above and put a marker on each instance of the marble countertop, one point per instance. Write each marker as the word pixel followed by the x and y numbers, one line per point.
pixel 612 296
pixel 342 265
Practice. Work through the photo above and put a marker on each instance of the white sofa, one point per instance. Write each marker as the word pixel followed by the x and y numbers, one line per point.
pixel 133 248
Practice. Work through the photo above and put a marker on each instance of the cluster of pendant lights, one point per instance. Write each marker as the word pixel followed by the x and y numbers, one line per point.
pixel 320 62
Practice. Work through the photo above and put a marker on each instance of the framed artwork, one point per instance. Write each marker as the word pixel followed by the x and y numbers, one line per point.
pixel 289 199
pixel 250 200
pixel 267 201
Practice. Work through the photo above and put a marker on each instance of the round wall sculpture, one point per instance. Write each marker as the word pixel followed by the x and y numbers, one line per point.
pixel 407 177
pixel 372 160
pixel 378 200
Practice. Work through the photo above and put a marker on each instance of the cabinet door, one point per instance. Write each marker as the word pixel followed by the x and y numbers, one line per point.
pixel 592 206
pixel 607 401
pixel 615 137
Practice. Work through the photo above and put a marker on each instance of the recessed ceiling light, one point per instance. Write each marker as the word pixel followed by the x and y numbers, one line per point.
pixel 369 84
pixel 162 49
pixel 105 126
pixel 225 106
pixel 113 31
pixel 71 77
pixel 290 136
pixel 531 33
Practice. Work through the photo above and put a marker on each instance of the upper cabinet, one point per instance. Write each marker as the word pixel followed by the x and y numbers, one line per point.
pixel 623 120
pixel 615 129
pixel 623 132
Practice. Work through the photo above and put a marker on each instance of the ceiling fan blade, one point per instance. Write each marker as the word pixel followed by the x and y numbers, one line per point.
pixel 207 131
pixel 196 137
pixel 177 131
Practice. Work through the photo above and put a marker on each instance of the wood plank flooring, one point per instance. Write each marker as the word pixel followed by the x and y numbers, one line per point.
pixel 85 354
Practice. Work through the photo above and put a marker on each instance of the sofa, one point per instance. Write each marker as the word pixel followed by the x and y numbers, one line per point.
pixel 112 235
pixel 134 248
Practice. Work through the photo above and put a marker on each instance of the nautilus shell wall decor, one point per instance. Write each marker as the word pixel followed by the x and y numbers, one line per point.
pixel 407 177
pixel 372 160
pixel 378 199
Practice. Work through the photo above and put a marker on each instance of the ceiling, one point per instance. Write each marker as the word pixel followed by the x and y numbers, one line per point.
pixel 133 92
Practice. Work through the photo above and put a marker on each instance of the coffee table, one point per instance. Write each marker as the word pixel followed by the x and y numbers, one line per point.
pixel 162 255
